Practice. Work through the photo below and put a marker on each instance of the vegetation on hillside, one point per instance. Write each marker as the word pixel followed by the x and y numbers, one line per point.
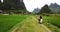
pixel 45 9
pixel 9 6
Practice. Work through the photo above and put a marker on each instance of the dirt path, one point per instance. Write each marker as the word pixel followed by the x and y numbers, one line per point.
pixel 31 25
pixel 44 26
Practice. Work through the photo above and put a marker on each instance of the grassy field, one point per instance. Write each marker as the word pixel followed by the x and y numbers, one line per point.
pixel 31 25
pixel 52 22
pixel 8 21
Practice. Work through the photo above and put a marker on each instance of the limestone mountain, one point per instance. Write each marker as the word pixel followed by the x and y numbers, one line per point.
pixel 14 4
pixel 55 8
pixel 54 5
pixel 36 10
pixel 45 9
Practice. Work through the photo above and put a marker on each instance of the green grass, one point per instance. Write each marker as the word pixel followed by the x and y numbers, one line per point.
pixel 8 21
pixel 51 22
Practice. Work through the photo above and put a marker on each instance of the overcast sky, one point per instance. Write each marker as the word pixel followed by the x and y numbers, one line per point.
pixel 31 4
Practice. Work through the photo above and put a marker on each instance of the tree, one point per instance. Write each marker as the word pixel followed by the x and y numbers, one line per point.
pixel 45 9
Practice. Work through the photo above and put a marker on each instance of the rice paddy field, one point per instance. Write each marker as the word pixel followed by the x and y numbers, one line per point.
pixel 52 22
pixel 9 21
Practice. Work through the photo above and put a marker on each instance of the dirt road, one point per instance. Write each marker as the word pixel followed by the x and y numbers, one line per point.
pixel 31 25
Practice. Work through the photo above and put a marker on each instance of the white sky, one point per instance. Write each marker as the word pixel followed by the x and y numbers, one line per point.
pixel 2 1
pixel 31 4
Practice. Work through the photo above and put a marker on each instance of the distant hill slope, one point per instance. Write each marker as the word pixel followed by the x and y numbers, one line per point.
pixel 45 9
pixel 36 10
pixel 55 8
pixel 55 5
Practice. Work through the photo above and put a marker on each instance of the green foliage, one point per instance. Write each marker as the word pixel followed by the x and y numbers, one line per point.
pixel 17 11
pixel 8 6
pixel 45 9
pixel 56 10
